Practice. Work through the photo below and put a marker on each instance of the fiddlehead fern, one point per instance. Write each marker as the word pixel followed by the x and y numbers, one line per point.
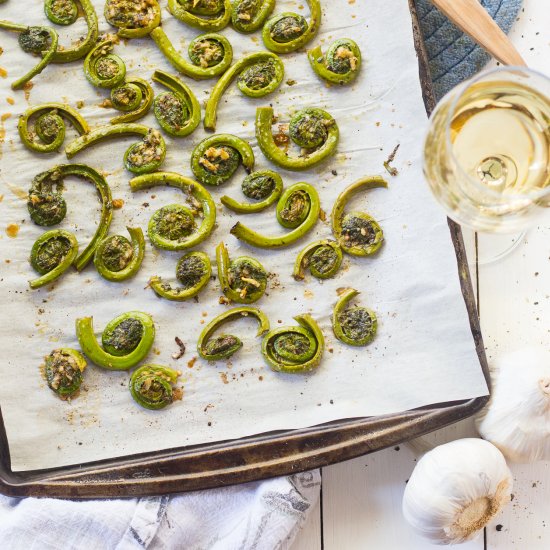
pixel 48 131
pixel 322 258
pixel 63 370
pixel 313 130
pixel 103 68
pixel 117 259
pixel 265 187
pixel 288 32
pixel 173 227
pixel 340 65
pixel 126 340
pixel 355 326
pixel 216 158
pixel 357 233
pixel 207 15
pixel 211 54
pixel 259 74
pixel 178 111
pixel 249 15
pixel 61 12
pixel 134 98
pixel 226 345
pixel 295 349
pixel 242 280
pixel 193 272
pixel 298 209
pixel 151 386
pixel 133 19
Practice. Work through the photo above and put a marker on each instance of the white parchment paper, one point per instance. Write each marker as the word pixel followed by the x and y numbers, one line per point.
pixel 423 353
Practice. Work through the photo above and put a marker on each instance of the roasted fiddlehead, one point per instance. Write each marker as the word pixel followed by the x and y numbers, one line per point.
pixel 211 54
pixel 340 65
pixel 355 326
pixel 216 158
pixel 51 255
pixel 134 98
pixel 193 272
pixel 249 15
pixel 295 349
pixel 126 340
pixel 265 187
pixel 152 386
pixel 177 111
pixel 48 131
pixel 297 209
pixel 141 158
pixel 288 32
pixel 117 259
pixel 226 345
pixel 259 74
pixel 133 19
pixel 313 130
pixel 207 15
pixel 173 227
pixel 242 280
pixel 357 233
pixel 103 68
pixel 63 370
pixel 322 258
pixel 61 12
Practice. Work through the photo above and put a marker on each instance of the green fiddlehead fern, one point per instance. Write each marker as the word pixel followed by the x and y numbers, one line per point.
pixel 193 272
pixel 287 32
pixel 226 345
pixel 173 227
pixel 264 186
pixel 340 65
pixel 141 158
pixel 133 19
pixel 63 369
pixel 210 54
pixel 103 68
pixel 242 280
pixel 313 130
pixel 207 15
pixel 322 258
pixel 295 349
pixel 357 233
pixel 126 340
pixel 248 16
pixel 152 386
pixel 297 209
pixel 217 158
pixel 259 74
pixel 47 132
pixel 177 111
pixel 118 259
pixel 134 98
pixel 355 326
pixel 51 255
pixel 61 12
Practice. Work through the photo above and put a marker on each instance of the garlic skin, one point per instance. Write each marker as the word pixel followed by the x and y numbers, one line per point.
pixel 517 418
pixel 456 489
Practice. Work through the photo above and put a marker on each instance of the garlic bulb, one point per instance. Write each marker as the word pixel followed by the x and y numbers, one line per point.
pixel 517 418
pixel 456 489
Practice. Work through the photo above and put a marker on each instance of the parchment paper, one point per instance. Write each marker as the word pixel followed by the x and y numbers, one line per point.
pixel 423 353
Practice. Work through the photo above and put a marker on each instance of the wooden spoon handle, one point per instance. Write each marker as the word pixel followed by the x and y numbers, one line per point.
pixel 472 18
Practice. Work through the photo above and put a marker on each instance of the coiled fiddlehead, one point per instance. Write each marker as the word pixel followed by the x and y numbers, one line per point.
pixel 141 158
pixel 313 130
pixel 151 386
pixel 173 227
pixel 134 98
pixel 248 16
pixel 193 272
pixel 355 326
pixel 63 370
pixel 340 65
pixel 322 258
pixel 259 74
pixel 207 15
pixel 242 280
pixel 357 233
pixel 103 68
pixel 226 345
pixel 178 111
pixel 126 340
pixel 265 187
pixel 288 32
pixel 133 19
pixel 48 132
pixel 298 209
pixel 295 349
pixel 61 12
pixel 51 255
pixel 117 259
pixel 211 54
pixel 216 158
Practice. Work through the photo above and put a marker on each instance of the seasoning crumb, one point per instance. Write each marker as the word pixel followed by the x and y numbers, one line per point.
pixel 387 164
pixel 191 363
pixel 179 354
pixel 290 82
pixel 334 172
pixel 499 527
pixel 12 230
pixel 260 378
pixel 118 204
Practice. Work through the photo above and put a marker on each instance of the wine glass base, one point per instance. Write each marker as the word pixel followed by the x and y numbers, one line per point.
pixel 492 247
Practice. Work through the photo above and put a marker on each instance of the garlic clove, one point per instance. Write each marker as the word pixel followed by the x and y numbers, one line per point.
pixel 456 489
pixel 517 418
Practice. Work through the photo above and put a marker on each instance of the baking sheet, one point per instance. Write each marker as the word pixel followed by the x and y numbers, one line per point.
pixel 423 354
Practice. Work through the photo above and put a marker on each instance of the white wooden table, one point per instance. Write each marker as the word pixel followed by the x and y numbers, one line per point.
pixel 360 506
